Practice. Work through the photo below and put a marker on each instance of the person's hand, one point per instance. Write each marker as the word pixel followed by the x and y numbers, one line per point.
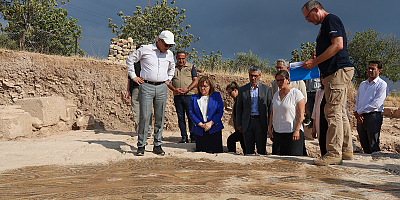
pixel 201 125
pixel 314 132
pixel 359 117
pixel 296 135
pixel 166 82
pixel 138 80
pixel 127 95
pixel 208 125
pixel 270 134
pixel 240 129
pixel 308 64
pixel 181 91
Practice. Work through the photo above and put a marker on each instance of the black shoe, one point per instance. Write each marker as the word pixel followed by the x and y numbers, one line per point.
pixel 140 151
pixel 158 150
pixel 184 139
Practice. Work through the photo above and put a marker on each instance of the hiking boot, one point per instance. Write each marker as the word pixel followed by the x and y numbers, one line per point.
pixel 184 139
pixel 347 156
pixel 140 151
pixel 327 160
pixel 158 150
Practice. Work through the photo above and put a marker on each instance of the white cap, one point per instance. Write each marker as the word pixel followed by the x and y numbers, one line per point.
pixel 167 36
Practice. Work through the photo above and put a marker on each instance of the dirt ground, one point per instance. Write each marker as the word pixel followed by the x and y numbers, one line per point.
pixel 100 164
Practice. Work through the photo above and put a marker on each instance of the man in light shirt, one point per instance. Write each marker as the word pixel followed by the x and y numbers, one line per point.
pixel 157 70
pixel 368 109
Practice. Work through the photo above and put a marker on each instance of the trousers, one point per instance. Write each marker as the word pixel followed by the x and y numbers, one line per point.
pixel 136 108
pixel 369 131
pixel 338 136
pixel 151 96
pixel 182 106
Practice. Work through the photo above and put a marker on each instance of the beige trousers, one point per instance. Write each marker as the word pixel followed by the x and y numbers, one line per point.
pixel 338 136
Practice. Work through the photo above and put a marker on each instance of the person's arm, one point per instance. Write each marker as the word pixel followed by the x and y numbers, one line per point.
pixel 171 70
pixel 334 48
pixel 314 130
pixel 239 110
pixel 127 91
pixel 300 113
pixel 303 90
pixel 196 121
pixel 130 63
pixel 270 134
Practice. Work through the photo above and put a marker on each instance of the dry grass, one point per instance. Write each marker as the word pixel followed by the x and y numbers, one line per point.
pixel 393 96
pixel 240 73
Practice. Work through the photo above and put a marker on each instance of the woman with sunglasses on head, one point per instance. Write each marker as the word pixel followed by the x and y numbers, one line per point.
pixel 233 90
pixel 288 107
pixel 206 110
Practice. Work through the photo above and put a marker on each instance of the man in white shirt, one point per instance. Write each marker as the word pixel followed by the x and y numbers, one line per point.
pixel 368 109
pixel 157 70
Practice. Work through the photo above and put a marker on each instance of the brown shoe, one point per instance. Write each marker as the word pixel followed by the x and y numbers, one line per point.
pixel 328 160
pixel 347 156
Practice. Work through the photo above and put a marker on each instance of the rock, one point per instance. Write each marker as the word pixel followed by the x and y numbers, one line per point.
pixel 14 122
pixel 85 122
pixel 37 123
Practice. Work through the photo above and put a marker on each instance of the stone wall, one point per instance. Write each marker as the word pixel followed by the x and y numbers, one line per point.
pixel 120 49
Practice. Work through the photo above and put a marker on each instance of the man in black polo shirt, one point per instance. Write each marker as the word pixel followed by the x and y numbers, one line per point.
pixel 337 71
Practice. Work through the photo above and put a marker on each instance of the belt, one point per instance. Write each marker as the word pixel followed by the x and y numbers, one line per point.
pixel 254 116
pixel 370 113
pixel 153 83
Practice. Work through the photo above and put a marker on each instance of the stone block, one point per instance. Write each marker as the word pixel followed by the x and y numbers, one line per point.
pixel 48 109
pixel 85 122
pixel 391 112
pixel 14 122
pixel 70 114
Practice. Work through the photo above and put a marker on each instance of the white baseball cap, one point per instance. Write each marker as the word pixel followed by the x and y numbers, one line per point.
pixel 167 36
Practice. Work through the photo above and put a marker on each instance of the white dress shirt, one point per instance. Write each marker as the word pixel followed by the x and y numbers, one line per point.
pixel 371 95
pixel 156 66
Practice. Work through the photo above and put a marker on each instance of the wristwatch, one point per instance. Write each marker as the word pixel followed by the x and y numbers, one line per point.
pixel 188 90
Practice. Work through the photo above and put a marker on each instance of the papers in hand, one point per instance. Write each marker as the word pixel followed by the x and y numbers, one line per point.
pixel 298 73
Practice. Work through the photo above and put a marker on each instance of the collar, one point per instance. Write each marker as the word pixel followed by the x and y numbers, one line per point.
pixel 375 80
pixel 251 87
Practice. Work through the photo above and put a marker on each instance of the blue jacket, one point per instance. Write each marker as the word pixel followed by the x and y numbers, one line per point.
pixel 215 111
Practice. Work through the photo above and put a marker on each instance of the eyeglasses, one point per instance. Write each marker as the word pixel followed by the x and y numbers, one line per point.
pixel 280 80
pixel 167 45
pixel 307 18
pixel 230 92
pixel 204 86
pixel 253 76
pixel 280 68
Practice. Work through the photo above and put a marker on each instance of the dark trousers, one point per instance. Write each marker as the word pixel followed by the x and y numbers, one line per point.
pixel 182 106
pixel 369 131
pixel 210 143
pixel 237 136
pixel 254 134
pixel 323 128
pixel 310 105
pixel 283 144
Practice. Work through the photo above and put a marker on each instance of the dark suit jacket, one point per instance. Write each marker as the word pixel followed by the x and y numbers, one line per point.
pixel 243 109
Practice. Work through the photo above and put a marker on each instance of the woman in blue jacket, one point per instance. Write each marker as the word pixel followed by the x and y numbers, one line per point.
pixel 206 110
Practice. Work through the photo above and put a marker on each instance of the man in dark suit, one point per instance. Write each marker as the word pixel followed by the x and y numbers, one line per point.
pixel 253 110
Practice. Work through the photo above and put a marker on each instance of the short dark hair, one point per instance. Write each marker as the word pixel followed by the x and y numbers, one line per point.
pixel 283 73
pixel 255 68
pixel 376 62
pixel 311 4
pixel 232 86
pixel 181 51
pixel 205 79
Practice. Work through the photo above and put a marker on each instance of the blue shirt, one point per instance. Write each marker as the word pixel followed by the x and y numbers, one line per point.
pixel 254 100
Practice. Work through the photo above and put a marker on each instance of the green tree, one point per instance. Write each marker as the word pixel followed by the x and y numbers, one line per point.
pixel 146 24
pixel 370 45
pixel 37 25
pixel 244 61
pixel 305 52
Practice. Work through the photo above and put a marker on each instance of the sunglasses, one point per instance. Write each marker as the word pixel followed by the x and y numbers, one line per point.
pixel 167 45
pixel 307 18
